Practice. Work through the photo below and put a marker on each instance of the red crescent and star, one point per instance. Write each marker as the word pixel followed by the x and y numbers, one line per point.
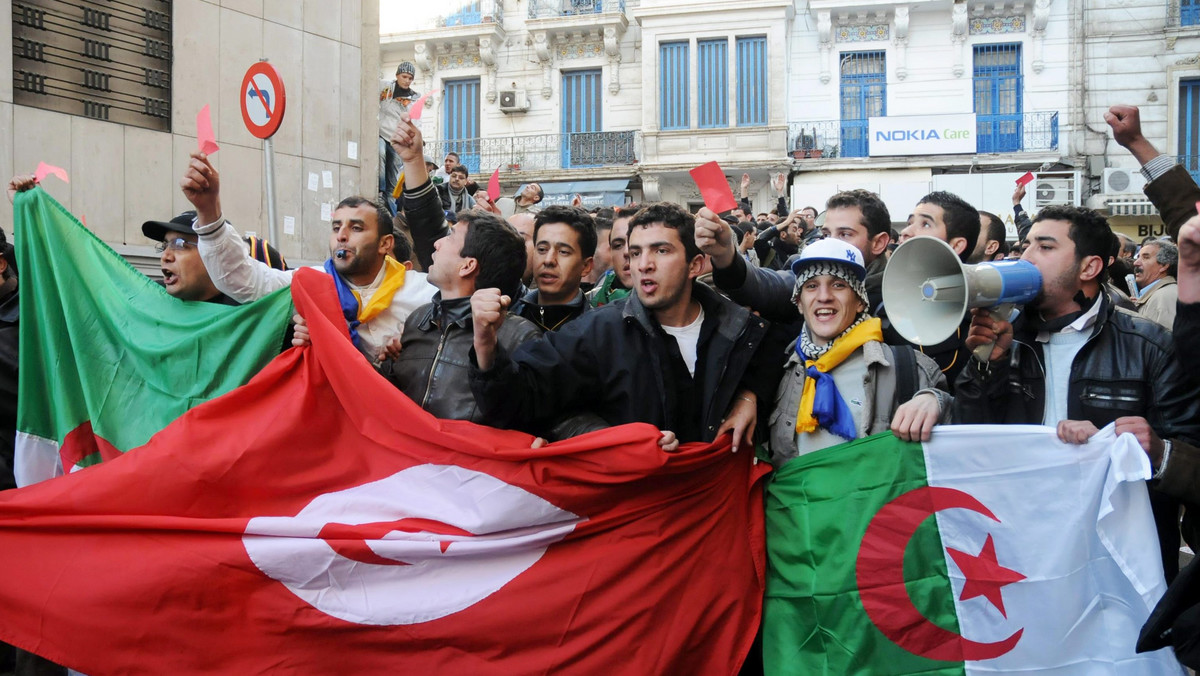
pixel 350 540
pixel 881 585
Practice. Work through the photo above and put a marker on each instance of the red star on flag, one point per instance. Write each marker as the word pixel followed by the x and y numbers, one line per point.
pixel 984 575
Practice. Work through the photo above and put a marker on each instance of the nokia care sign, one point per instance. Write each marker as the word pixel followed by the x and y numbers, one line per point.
pixel 922 135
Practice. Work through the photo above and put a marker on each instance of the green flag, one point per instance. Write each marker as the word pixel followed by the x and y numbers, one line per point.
pixel 108 358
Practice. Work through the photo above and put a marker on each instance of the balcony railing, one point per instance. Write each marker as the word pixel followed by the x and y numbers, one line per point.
pixel 473 13
pixel 549 9
pixel 1025 132
pixel 542 152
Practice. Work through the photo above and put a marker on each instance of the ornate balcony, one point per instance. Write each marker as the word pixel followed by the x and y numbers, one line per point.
pixel 542 152
pixel 472 31
pixel 547 9
pixel 1023 132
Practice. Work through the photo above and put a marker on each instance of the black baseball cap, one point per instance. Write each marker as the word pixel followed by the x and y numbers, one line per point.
pixel 157 230
pixel 259 248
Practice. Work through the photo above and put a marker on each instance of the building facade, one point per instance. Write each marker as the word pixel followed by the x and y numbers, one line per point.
pixel 622 97
pixel 110 92
pixel 907 97
pixel 1144 53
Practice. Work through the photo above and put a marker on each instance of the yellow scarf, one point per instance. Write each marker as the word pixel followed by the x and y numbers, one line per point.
pixel 393 279
pixel 868 330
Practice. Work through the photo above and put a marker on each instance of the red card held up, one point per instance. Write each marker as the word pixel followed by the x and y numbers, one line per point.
pixel 43 170
pixel 493 189
pixel 1025 179
pixel 414 111
pixel 715 190
pixel 204 132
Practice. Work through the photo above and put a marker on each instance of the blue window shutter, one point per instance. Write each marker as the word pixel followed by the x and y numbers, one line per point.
pixel 581 117
pixel 713 82
pixel 1189 127
pixel 1189 12
pixel 462 121
pixel 752 81
pixel 998 98
pixel 673 85
pixel 863 96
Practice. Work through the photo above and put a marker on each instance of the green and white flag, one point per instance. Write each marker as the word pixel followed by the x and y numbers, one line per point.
pixel 989 549
pixel 108 358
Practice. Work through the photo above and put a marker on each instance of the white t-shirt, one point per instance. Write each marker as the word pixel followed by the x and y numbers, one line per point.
pixel 688 337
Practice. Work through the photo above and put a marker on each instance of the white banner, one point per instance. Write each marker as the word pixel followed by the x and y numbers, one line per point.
pixel 922 135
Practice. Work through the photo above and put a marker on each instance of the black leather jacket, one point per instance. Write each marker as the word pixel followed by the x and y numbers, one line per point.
pixel 550 317
pixel 433 365
pixel 617 362
pixel 9 359
pixel 1127 367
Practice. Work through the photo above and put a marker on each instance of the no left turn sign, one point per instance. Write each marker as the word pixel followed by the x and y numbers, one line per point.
pixel 263 100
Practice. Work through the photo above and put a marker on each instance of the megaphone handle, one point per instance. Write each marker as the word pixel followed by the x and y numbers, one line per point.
pixel 1000 313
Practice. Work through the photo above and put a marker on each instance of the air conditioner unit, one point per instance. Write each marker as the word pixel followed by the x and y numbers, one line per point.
pixel 513 101
pixel 1123 181
pixel 1056 188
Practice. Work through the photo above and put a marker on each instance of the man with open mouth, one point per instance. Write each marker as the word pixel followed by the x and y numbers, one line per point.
pixel 183 271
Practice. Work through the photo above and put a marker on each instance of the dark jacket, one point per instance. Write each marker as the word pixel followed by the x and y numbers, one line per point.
pixel 1181 477
pixel 769 292
pixel 1127 367
pixel 9 359
pixel 1174 194
pixel 550 317
pixel 618 362
pixel 433 365
pixel 465 202
pixel 426 220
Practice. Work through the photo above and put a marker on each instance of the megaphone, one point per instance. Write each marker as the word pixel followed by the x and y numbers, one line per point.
pixel 927 290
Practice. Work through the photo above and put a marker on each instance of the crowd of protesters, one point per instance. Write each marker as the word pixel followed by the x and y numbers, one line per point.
pixel 770 327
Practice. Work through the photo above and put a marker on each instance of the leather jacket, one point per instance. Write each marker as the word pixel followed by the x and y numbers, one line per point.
pixel 1127 367
pixel 433 364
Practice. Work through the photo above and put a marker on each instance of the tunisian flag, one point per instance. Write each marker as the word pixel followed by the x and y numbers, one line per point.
pixel 317 521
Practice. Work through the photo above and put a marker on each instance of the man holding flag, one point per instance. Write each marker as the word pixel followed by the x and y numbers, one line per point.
pixel 377 292
pixel 1073 362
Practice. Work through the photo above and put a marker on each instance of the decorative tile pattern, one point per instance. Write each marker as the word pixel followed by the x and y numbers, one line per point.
pixel 998 24
pixel 580 50
pixel 453 61
pixel 866 33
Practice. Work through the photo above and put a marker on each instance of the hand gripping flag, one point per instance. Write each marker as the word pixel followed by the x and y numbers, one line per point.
pixel 989 549
pixel 316 520
pixel 108 358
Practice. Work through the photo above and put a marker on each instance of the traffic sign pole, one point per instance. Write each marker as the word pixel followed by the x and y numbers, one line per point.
pixel 269 159
pixel 263 101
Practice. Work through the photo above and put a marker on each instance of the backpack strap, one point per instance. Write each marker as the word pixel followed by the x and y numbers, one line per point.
pixel 905 362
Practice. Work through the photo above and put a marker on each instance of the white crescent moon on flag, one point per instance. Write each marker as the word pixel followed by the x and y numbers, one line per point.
pixel 435 574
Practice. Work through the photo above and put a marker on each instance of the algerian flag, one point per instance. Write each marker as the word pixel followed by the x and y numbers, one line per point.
pixel 108 358
pixel 992 549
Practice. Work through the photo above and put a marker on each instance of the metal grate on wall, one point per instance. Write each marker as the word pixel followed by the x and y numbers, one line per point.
pixel 712 83
pixel 104 59
pixel 752 80
pixel 673 85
